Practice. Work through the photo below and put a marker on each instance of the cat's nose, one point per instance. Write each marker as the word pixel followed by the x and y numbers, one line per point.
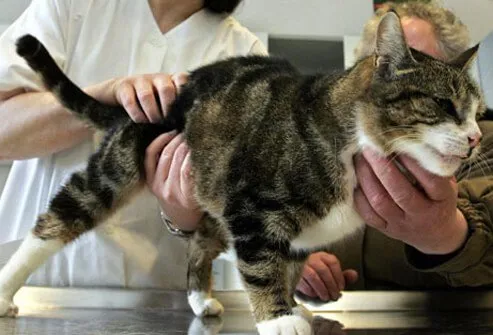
pixel 474 139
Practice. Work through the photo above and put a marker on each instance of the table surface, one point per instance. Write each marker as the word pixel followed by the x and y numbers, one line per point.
pixel 58 311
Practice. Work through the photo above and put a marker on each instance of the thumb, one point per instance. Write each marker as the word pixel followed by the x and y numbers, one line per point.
pixel 350 276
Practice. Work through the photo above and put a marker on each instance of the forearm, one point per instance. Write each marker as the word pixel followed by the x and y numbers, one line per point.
pixel 35 124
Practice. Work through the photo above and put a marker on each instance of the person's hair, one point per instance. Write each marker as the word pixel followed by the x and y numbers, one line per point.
pixel 221 6
pixel 451 34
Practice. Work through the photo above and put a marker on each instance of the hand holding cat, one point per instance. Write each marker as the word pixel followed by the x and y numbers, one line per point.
pixel 424 217
pixel 324 278
pixel 138 95
pixel 146 98
pixel 167 165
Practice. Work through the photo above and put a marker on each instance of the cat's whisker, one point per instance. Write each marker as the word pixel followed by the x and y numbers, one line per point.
pixel 480 161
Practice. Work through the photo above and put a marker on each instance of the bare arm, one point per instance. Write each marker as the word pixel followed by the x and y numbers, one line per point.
pixel 34 124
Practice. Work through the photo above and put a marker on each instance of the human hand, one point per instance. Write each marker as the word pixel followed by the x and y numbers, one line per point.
pixel 423 216
pixel 323 277
pixel 146 98
pixel 168 176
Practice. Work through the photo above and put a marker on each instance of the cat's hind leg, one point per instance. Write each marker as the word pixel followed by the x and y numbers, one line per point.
pixel 206 244
pixel 86 200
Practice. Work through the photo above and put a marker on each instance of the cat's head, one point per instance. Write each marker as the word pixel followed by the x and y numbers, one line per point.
pixel 419 105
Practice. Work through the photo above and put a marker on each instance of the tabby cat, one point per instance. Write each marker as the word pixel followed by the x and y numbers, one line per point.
pixel 271 158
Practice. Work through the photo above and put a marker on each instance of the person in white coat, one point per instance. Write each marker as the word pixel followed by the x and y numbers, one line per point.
pixel 122 52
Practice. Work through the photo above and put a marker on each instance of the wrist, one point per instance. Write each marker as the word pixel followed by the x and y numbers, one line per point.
pixel 461 232
pixel 186 220
pixel 450 243
pixel 172 229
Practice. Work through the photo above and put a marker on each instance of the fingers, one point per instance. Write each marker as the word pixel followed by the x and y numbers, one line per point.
pixel 364 208
pixel 153 153
pixel 187 184
pixel 436 188
pixel 179 79
pixel 399 188
pixel 313 279
pixel 350 276
pixel 166 90
pixel 145 94
pixel 372 200
pixel 306 289
pixel 147 98
pixel 175 168
pixel 332 263
pixel 323 276
pixel 125 95
pixel 163 170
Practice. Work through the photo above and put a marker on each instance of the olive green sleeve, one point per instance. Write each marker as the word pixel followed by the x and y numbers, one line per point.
pixel 472 265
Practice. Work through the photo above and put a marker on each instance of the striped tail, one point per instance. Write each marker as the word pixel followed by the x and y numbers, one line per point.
pixel 72 97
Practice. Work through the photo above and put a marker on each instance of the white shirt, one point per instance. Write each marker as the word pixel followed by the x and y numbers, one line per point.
pixel 95 40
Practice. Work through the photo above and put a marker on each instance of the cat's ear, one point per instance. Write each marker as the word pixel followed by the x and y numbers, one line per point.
pixel 465 60
pixel 392 53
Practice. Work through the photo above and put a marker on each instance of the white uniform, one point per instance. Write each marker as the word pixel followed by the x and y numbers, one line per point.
pixel 95 40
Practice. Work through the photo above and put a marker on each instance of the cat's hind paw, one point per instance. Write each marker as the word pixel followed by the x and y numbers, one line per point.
pixel 285 325
pixel 203 305
pixel 205 326
pixel 8 308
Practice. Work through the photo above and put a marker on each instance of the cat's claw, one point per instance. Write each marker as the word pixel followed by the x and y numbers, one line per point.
pixel 8 308
pixel 285 325
pixel 202 305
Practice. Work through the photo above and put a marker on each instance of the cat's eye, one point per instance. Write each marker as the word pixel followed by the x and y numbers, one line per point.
pixel 447 105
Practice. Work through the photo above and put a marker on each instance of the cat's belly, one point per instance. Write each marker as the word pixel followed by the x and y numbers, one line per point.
pixel 342 221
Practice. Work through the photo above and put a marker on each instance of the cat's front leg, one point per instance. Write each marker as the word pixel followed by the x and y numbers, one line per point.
pixel 269 289
pixel 295 269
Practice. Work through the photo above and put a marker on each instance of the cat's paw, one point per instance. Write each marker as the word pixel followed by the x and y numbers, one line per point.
pixel 304 312
pixel 205 326
pixel 285 325
pixel 203 305
pixel 7 308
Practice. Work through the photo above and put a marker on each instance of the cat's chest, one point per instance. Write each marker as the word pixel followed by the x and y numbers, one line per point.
pixel 341 221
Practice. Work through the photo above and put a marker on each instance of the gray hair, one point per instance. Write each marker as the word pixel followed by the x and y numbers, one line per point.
pixel 452 35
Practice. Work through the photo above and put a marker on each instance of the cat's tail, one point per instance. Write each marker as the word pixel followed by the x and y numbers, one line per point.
pixel 72 97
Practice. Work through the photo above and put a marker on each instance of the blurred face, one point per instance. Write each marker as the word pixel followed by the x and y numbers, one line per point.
pixel 420 35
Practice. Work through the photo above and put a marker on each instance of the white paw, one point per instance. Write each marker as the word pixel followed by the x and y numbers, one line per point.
pixel 7 308
pixel 304 312
pixel 285 325
pixel 205 326
pixel 203 305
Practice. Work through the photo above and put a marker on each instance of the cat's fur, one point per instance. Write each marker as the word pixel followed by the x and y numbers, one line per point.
pixel 271 158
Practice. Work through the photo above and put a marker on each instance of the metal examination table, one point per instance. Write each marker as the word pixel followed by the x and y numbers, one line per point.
pixel 59 311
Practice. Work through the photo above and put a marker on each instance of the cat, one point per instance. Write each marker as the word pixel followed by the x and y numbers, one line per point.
pixel 271 158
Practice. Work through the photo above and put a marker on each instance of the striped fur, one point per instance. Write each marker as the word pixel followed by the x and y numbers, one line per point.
pixel 271 155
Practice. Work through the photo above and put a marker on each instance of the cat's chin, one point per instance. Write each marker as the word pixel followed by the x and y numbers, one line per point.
pixel 435 162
